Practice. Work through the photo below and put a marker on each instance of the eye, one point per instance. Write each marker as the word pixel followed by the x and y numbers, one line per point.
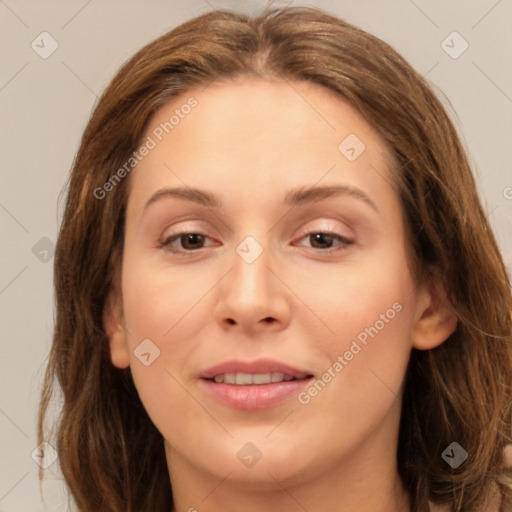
pixel 324 240
pixel 189 241
pixel 193 241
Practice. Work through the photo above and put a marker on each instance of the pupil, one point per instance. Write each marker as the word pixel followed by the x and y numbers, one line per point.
pixel 323 238
pixel 192 239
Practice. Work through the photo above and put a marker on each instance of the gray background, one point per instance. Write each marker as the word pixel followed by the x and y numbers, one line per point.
pixel 45 104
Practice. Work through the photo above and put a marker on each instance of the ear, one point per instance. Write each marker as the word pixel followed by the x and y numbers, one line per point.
pixel 435 317
pixel 113 325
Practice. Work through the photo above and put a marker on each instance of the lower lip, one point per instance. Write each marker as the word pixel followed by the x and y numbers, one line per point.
pixel 255 396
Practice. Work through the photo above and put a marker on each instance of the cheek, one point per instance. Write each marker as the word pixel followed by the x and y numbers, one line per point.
pixel 167 306
pixel 161 337
pixel 373 303
pixel 371 313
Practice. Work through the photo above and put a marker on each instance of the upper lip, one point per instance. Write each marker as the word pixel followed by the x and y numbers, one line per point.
pixel 253 367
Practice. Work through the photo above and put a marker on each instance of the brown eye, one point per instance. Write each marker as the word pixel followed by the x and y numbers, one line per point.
pixel 188 242
pixel 325 240
pixel 191 239
pixel 320 240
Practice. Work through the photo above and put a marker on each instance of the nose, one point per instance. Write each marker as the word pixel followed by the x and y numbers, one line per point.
pixel 253 296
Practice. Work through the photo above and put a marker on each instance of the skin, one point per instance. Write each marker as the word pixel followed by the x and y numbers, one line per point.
pixel 249 142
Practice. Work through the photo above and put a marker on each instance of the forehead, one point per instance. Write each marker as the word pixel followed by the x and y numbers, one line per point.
pixel 253 135
pixel 292 108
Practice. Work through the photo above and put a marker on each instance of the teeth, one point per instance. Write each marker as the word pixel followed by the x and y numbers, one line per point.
pixel 262 378
pixel 230 378
pixel 242 379
pixel 277 377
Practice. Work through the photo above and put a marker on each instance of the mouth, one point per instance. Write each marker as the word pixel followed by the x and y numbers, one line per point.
pixel 257 385
pixel 258 379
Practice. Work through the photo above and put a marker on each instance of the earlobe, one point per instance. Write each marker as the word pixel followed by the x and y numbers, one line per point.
pixel 436 320
pixel 112 323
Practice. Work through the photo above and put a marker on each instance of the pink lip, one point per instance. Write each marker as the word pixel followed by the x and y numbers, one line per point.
pixel 253 396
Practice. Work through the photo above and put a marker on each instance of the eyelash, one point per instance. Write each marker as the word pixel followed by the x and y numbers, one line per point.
pixel 345 242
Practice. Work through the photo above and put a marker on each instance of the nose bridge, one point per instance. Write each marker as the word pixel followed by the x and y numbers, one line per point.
pixel 251 293
pixel 250 273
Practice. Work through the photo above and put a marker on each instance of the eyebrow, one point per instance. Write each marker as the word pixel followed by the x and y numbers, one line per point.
pixel 295 197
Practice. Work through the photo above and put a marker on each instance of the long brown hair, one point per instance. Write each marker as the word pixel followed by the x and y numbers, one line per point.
pixel 110 453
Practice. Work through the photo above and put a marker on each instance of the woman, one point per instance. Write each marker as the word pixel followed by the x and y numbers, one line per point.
pixel 276 287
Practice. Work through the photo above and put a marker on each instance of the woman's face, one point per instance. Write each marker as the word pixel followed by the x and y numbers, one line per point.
pixel 295 267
